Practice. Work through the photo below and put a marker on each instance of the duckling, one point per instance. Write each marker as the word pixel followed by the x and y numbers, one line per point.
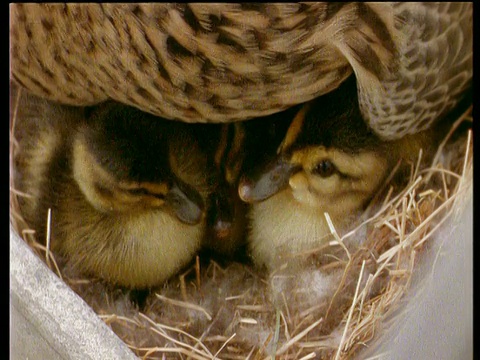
pixel 127 190
pixel 329 161
pixel 239 146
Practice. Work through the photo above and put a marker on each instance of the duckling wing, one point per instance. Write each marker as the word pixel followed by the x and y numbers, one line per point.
pixel 231 61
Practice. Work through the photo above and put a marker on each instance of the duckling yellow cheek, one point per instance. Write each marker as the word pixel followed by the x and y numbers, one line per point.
pixel 301 190
pixel 325 187
pixel 298 182
pixel 313 191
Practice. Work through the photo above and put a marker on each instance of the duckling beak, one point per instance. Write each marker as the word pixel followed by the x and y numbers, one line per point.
pixel 273 178
pixel 186 203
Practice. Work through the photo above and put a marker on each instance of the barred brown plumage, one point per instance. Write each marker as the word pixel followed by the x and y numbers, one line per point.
pixel 224 62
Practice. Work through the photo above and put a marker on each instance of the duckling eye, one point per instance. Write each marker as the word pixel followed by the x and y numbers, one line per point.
pixel 324 168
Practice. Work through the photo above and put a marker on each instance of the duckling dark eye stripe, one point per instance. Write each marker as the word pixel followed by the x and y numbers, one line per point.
pixel 139 191
pixel 146 188
pixel 143 191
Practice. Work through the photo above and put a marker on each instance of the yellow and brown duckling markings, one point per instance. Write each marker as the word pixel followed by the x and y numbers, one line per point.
pixel 105 192
pixel 329 162
pixel 127 190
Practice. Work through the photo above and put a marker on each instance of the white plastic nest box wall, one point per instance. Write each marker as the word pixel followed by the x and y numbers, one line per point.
pixel 48 321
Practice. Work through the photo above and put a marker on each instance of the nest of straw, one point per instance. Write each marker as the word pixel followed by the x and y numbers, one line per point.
pixel 330 309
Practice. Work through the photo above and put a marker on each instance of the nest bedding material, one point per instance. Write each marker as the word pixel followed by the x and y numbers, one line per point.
pixel 332 308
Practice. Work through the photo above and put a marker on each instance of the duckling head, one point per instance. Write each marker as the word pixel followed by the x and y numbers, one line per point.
pixel 127 160
pixel 329 159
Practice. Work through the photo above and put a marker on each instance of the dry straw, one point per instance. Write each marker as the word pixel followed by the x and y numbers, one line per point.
pixel 332 309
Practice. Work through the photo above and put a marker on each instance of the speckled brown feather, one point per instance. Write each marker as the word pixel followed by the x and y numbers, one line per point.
pixel 223 62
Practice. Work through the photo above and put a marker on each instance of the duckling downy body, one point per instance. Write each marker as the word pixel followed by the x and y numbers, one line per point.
pixel 127 191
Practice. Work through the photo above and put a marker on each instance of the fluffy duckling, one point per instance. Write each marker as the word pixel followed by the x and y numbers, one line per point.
pixel 328 162
pixel 127 190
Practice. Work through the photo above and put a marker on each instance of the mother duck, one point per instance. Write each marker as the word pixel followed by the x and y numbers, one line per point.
pixel 225 62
